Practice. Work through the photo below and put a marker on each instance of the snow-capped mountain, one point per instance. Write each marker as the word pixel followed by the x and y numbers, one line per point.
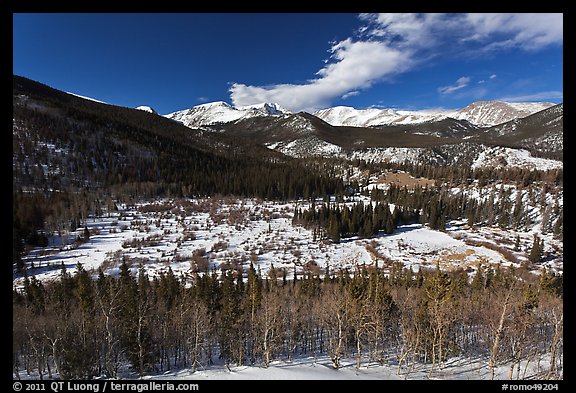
pixel 472 135
pixel 491 113
pixel 481 113
pixel 542 131
pixel 221 112
pixel 348 116
pixel 146 108
pixel 446 141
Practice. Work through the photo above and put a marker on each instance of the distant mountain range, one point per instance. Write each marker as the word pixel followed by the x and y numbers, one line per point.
pixel 520 134
pixel 481 114
pixel 432 138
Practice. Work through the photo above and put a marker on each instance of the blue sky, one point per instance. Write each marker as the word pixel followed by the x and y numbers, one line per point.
pixel 301 61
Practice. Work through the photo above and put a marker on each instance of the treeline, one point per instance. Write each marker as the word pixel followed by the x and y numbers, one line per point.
pixel 461 175
pixel 82 328
pixel 433 206
pixel 361 220
pixel 494 206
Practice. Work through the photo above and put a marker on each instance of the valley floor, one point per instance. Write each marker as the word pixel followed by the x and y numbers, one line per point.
pixel 180 234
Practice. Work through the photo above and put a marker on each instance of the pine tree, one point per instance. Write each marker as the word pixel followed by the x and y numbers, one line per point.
pixel 334 229
pixel 296 216
pixel 397 216
pixel 559 227
pixel 273 276
pixel 229 317
pixel 478 281
pixel 389 222
pixel 438 289
pixel 85 291
pixel 536 251
pixel 253 291
pixel 518 212
pixel 128 312
pixel 345 221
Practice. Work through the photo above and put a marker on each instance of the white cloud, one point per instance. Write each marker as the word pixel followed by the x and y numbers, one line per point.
pixel 524 30
pixel 460 84
pixel 389 44
pixel 540 96
pixel 357 66
pixel 411 29
pixel 350 94
pixel 493 76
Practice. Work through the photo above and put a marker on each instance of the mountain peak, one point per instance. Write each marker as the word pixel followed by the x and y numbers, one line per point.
pixel 146 108
pixel 267 108
pixel 214 104
pixel 491 113
pixel 222 112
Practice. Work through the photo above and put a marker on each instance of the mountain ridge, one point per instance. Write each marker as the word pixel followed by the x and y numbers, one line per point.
pixel 479 113
pixel 444 142
pixel 491 113
pixel 267 130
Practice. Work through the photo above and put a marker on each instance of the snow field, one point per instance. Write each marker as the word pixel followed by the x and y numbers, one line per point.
pixel 233 232
pixel 320 368
pixel 505 157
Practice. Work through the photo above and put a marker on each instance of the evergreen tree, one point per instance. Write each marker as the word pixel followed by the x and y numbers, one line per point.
pixel 128 312
pixel 559 227
pixel 389 222
pixel 478 282
pixel 471 213
pixel 85 291
pixel 253 291
pixel 229 318
pixel 334 229
pixel 536 251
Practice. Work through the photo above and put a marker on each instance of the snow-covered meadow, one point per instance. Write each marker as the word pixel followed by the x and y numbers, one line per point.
pixel 190 235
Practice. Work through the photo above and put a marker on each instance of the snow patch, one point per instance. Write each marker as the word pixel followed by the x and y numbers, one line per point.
pixel 87 98
pixel 146 108
pixel 504 157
